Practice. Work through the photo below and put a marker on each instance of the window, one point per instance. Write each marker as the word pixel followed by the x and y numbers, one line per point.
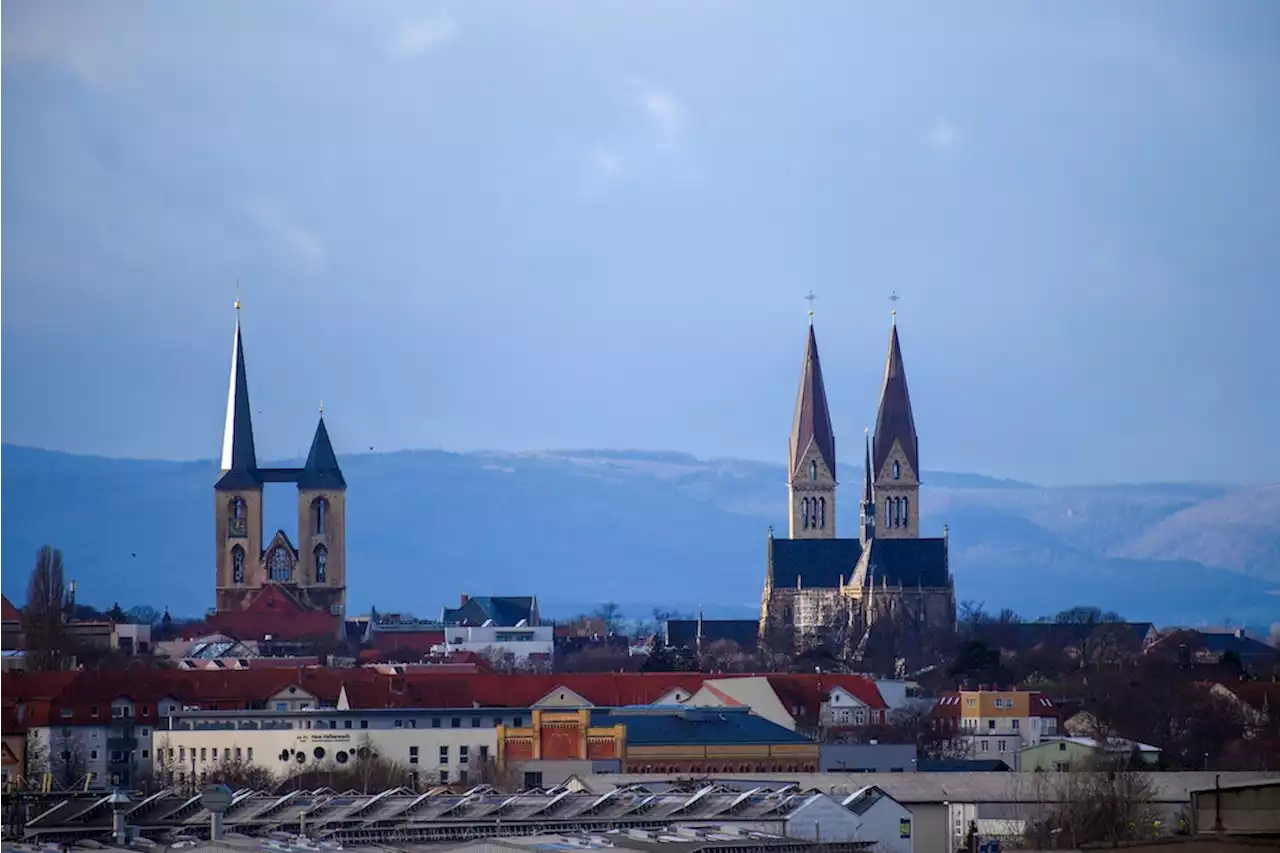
pixel 237 518
pixel 346 724
pixel 364 724
pixel 985 747
pixel 822 512
pixel 444 755
pixel 991 725
pixel 804 511
pixel 518 722
pixel 1003 746
pixel 322 561
pixel 813 469
pixel 435 722
pixel 464 753
pixel 484 753
pixel 457 722
pixel 67 713
pixel 249 752
pixel 237 565
pixel 1015 725
pixel 413 755
pixel 1062 747
pixel 282 706
pixel 93 711
pixel 93 755
pixel 399 724
pixel 182 753
pixel 281 564
pixel 906 521
pixel 203 753
pixel 146 753
pixel 146 732
pixel 897 471
pixel 888 512
pixel 475 722
pixel 322 516
pixel 533 779
pixel 238 754
pixel 444 777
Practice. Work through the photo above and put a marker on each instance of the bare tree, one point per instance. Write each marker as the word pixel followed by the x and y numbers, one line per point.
pixel 43 616
pixel 67 761
pixel 1099 805
pixel 610 614
pixel 725 656
pixel 364 770
pixel 239 775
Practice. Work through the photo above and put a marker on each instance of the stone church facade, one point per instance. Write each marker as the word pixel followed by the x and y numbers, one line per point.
pixel 887 585
pixel 276 576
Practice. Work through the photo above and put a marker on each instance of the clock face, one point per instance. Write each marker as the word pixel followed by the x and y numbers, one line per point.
pixel 280 565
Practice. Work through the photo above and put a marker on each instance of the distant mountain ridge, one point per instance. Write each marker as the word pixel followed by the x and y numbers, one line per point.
pixel 643 528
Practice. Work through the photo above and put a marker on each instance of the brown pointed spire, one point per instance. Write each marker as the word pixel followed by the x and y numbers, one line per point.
pixel 894 420
pixel 813 420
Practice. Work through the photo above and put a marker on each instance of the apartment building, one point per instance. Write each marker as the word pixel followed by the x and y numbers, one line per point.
pixel 996 724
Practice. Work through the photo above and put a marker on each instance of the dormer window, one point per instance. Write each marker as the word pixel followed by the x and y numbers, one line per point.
pixel 897 470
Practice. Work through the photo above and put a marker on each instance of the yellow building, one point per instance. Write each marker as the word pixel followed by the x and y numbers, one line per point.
pixel 998 724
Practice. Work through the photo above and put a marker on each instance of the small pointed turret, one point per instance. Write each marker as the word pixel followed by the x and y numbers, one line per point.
pixel 894 421
pixel 239 460
pixel 867 508
pixel 321 470
pixel 812 426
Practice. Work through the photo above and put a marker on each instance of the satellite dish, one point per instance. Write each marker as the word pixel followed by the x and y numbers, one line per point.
pixel 216 799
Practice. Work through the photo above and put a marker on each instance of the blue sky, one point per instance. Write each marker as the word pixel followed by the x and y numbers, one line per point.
pixel 592 224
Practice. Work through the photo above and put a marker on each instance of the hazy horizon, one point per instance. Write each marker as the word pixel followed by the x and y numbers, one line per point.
pixel 575 225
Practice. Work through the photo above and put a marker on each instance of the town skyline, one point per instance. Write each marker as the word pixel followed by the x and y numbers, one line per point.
pixel 534 230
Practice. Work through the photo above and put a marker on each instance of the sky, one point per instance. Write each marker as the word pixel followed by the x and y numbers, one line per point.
pixel 539 225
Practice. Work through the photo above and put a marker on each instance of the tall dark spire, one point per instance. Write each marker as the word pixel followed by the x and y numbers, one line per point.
pixel 894 420
pixel 867 510
pixel 239 461
pixel 812 425
pixel 321 470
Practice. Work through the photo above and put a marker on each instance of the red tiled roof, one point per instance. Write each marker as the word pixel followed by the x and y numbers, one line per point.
pixel 10 613
pixel 418 642
pixel 809 691
pixel 281 625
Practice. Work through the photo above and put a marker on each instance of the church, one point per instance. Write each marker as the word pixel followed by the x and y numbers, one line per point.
pixel 275 578
pixel 888 584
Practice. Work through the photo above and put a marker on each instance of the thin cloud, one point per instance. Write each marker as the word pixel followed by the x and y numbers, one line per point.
pixel 656 129
pixel 415 38
pixel 944 137
pixel 288 236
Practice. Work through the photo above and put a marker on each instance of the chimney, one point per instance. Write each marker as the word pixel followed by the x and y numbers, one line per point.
pixel 463 599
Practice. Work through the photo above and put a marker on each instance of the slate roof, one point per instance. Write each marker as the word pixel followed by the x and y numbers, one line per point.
pixel 814 562
pixel 684 632
pixel 321 470
pixel 894 419
pixel 823 562
pixel 503 611
pixel 703 726
pixel 812 425
pixel 910 562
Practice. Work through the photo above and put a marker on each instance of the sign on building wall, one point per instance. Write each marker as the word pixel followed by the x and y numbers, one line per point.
pixel 904 828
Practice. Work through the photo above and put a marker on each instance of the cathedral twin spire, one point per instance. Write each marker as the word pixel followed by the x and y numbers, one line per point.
pixel 239 461
pixel 891 475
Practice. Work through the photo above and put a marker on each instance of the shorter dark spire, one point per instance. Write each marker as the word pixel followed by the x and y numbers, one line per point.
pixel 868 497
pixel 321 470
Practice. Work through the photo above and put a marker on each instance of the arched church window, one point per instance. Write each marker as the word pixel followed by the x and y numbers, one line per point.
pixel 813 469
pixel 237 518
pixel 897 471
pixel 280 566
pixel 897 512
pixel 822 513
pixel 888 512
pixel 804 513
pixel 321 515
pixel 237 564
pixel 322 559
pixel 906 512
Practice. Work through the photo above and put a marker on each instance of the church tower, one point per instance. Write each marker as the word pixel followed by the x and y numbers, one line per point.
pixel 238 493
pixel 895 453
pixel 322 516
pixel 811 482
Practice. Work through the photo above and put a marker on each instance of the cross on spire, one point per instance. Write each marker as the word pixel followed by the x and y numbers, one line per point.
pixel 810 299
pixel 893 312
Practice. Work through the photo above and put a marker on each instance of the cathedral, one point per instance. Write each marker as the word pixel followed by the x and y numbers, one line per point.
pixel 887 584
pixel 276 577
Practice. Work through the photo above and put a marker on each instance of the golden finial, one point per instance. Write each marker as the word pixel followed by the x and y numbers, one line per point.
pixel 237 294
pixel 810 299
pixel 322 408
pixel 893 298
